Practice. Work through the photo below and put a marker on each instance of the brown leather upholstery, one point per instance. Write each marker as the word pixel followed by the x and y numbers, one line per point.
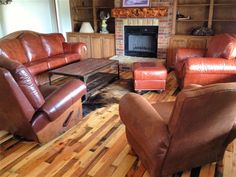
pixel 213 65
pixel 193 131
pixel 40 52
pixel 31 112
pixel 149 76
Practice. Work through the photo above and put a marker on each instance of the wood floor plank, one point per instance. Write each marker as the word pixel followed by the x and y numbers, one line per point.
pixel 96 147
pixel 124 166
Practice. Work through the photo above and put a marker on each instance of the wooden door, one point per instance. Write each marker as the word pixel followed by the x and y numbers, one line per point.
pixel 86 39
pixel 108 46
pixel 197 43
pixel 71 37
pixel 96 46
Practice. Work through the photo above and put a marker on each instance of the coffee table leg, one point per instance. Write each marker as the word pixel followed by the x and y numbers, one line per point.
pixel 50 78
pixel 118 70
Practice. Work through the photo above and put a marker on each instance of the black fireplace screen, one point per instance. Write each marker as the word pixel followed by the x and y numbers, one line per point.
pixel 141 41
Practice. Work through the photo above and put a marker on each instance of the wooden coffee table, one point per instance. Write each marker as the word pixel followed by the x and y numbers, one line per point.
pixel 95 73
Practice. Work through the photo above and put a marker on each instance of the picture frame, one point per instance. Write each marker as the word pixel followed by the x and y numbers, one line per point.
pixel 136 3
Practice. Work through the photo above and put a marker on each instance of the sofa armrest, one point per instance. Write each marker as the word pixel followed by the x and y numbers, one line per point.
pixel 63 98
pixel 76 47
pixel 210 65
pixel 143 121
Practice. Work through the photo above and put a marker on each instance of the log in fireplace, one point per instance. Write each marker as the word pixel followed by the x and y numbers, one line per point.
pixel 141 41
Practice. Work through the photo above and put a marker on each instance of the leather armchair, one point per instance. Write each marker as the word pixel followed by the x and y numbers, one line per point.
pixel 175 136
pixel 33 112
pixel 207 66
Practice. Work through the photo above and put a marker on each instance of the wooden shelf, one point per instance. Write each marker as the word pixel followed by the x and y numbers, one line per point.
pixel 82 9
pixel 210 12
pixel 192 5
pixel 224 4
pixel 224 20
pixel 192 20
pixel 104 7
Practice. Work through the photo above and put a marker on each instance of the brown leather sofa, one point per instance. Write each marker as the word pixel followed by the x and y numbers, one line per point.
pixel 216 64
pixel 38 113
pixel 40 52
pixel 194 130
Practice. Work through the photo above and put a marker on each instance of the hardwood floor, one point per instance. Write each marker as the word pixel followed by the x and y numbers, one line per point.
pixel 97 146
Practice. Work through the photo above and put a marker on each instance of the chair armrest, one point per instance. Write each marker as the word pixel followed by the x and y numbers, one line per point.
pixel 143 121
pixel 63 98
pixel 192 86
pixel 185 53
pixel 76 47
pixel 210 65
pixel 182 55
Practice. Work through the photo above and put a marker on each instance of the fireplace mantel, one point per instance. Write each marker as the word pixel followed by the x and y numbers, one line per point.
pixel 137 12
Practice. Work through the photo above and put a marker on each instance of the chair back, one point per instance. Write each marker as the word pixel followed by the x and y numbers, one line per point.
pixel 24 80
pixel 202 124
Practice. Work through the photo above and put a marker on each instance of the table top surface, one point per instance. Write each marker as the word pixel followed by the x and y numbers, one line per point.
pixel 83 67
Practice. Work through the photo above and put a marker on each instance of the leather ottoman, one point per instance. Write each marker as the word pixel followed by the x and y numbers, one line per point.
pixel 149 76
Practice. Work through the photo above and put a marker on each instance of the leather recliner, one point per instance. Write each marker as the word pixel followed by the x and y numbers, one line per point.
pixel 216 64
pixel 38 113
pixel 194 130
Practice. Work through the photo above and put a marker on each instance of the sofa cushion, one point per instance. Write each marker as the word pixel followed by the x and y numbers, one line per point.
pixel 25 81
pixel 33 46
pixel 52 43
pixel 55 62
pixel 222 46
pixel 37 67
pixel 12 48
pixel 70 57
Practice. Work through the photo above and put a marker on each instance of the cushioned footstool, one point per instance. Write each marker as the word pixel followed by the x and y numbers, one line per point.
pixel 149 76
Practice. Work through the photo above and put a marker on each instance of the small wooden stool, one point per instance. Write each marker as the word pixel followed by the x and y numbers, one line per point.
pixel 149 76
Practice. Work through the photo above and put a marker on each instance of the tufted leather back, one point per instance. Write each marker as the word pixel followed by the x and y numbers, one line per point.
pixel 33 46
pixel 24 80
pixel 222 46
pixel 12 48
pixel 52 43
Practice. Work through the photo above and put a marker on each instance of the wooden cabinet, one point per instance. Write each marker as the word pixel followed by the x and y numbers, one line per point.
pixel 89 11
pixel 99 45
pixel 184 41
pixel 218 15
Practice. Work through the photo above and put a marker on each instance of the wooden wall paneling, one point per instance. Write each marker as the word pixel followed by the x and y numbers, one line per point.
pixel 175 43
pixel 96 44
pixel 108 46
pixel 184 41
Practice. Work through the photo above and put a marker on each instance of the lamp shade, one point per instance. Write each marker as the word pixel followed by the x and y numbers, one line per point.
pixel 86 28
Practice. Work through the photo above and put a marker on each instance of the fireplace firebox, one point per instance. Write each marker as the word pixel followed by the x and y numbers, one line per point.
pixel 141 41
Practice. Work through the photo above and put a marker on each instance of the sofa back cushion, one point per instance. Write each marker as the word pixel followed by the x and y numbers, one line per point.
pixel 33 46
pixel 222 46
pixel 12 48
pixel 52 43
pixel 24 80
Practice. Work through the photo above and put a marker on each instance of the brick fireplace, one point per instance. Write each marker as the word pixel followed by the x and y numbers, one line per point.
pixel 164 25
